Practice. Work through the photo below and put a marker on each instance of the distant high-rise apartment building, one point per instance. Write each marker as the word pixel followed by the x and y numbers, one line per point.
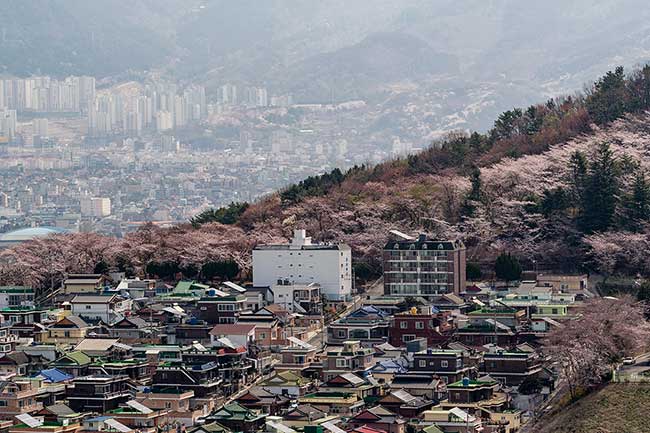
pixel 97 207
pixel 423 267
pixel 40 127
pixel 8 123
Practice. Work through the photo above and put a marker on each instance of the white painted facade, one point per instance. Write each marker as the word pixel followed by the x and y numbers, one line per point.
pixel 107 308
pixel 304 262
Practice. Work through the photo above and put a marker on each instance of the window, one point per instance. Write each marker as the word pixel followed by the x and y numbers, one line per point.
pixel 419 325
pixel 341 363
pixel 88 307
pixel 262 335
pixel 168 405
pixel 444 363
pixel 341 333
pixel 403 324
pixel 408 337
pixel 423 363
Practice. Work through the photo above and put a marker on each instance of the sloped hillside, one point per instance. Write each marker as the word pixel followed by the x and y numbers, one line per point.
pixel 562 184
pixel 617 408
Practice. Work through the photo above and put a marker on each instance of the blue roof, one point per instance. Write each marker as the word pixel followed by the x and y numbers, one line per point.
pixel 55 375
pixel 368 310
pixel 389 365
pixel 99 418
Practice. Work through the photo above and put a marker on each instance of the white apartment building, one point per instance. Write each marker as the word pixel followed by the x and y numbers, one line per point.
pixel 98 207
pixel 304 262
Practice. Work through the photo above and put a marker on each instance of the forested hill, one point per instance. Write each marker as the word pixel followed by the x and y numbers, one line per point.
pixel 563 183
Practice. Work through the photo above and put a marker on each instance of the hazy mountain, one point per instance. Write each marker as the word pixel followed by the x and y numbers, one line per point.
pixel 497 52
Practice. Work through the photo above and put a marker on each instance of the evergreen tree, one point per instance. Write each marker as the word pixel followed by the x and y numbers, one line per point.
pixel 601 193
pixel 609 98
pixel 636 205
pixel 474 195
pixel 507 267
pixel 473 271
pixel 578 169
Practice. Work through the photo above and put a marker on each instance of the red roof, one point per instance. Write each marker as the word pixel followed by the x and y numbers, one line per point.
pixel 473 288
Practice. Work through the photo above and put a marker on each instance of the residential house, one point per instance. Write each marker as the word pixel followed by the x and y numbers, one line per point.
pixel 286 383
pixel 25 321
pixel 189 333
pixel 405 404
pixel 269 328
pixel 70 329
pixel 176 402
pixel 336 403
pixel 298 298
pixel 449 365
pixel 141 419
pixel 420 385
pixel 109 348
pixel 133 329
pixel 75 363
pixel 384 371
pixel 238 418
pixel 453 420
pixel 512 368
pixel 103 423
pixel 98 393
pixel 421 322
pixel 21 395
pixel 380 418
pixel 221 307
pixel 366 389
pixel 83 283
pixel 564 283
pixel 14 364
pixel 368 325
pixel 239 334
pixel 107 308
pixel 475 395
pixel 16 296
pixel 350 358
pixel 63 426
pixel 305 415
pixel 297 356
pixel 264 401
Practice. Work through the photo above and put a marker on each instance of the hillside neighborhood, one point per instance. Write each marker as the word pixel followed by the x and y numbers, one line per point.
pixel 299 348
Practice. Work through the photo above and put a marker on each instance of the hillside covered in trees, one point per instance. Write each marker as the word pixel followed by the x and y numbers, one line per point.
pixel 563 184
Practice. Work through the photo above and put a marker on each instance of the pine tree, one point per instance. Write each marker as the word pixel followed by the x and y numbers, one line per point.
pixel 636 206
pixel 601 193
pixel 578 169
pixel 474 195
pixel 507 267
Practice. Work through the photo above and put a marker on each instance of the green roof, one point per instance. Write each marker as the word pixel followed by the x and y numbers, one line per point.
pixel 183 286
pixel 16 289
pixel 432 429
pixel 471 384
pixel 236 412
pixel 78 357
pixel 213 427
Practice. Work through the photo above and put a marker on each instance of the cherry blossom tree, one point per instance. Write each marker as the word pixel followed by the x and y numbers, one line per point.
pixel 605 331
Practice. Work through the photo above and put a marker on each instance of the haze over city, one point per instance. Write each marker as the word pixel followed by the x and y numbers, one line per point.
pixel 324 216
